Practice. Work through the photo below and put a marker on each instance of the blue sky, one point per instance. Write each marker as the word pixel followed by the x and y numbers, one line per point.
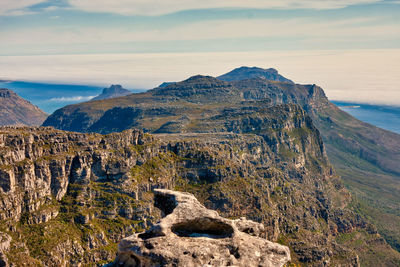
pixel 122 26
pixel 35 31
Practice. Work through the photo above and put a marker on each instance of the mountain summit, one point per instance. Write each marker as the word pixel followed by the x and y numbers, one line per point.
pixel 114 90
pixel 244 73
pixel 15 110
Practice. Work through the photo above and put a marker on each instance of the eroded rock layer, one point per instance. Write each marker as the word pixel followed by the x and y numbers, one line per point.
pixel 67 199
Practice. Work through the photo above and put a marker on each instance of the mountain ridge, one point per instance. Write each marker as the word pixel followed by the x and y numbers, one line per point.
pixel 15 110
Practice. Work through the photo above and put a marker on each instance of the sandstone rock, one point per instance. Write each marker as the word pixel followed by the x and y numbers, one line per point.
pixel 5 242
pixel 191 235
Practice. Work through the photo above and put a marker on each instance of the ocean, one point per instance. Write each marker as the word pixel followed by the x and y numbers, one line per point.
pixel 50 97
pixel 386 117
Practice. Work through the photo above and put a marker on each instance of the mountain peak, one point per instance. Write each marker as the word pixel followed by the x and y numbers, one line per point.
pixel 115 90
pixel 244 73
pixel 202 79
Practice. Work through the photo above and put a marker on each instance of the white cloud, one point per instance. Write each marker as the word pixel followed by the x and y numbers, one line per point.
pixel 13 7
pixel 70 99
pixel 159 7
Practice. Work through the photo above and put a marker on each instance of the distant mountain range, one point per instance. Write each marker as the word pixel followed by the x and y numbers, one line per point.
pixel 113 91
pixel 366 156
pixel 15 110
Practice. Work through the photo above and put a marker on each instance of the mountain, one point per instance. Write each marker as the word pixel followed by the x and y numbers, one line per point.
pixel 15 110
pixel 68 198
pixel 114 90
pixel 244 73
pixel 203 107
pixel 165 84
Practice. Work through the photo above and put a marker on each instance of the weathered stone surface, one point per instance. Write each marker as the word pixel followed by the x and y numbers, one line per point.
pixel 5 241
pixel 191 235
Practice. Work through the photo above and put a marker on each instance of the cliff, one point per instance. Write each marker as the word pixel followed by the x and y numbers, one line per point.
pixel 69 198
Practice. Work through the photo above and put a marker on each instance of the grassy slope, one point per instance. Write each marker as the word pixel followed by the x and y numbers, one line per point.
pixel 374 184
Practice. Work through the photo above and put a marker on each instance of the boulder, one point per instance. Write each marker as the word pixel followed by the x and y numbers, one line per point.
pixel 191 235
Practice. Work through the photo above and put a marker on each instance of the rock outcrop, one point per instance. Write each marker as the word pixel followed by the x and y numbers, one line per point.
pixel 191 235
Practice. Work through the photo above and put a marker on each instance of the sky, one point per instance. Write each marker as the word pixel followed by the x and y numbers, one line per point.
pixel 349 47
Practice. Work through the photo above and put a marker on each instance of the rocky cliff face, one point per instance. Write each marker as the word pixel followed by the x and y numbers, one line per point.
pixel 15 110
pixel 68 198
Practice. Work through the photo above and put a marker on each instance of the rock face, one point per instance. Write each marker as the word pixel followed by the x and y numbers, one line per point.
pixel 191 235
pixel 15 110
pixel 77 195
pixel 113 91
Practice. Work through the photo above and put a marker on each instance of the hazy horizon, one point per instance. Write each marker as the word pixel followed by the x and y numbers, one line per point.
pixel 344 75
pixel 351 48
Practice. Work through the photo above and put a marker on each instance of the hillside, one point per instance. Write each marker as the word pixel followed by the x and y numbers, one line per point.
pixel 15 110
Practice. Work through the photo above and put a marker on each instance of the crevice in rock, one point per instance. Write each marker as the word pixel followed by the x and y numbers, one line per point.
pixel 166 203
pixel 203 227
pixel 148 235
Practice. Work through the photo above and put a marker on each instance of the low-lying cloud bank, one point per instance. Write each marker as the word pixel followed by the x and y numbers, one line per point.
pixel 71 99
pixel 369 76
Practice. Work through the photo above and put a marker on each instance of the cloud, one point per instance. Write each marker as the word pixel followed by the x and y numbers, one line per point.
pixel 157 7
pixel 70 99
pixel 15 7
pixel 363 76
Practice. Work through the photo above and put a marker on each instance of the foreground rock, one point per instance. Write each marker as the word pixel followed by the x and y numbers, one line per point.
pixel 191 235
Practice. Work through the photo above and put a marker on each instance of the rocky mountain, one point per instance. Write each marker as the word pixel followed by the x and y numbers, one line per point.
pixel 15 110
pixel 113 91
pixel 69 198
pixel 244 73
pixel 243 148
pixel 365 156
